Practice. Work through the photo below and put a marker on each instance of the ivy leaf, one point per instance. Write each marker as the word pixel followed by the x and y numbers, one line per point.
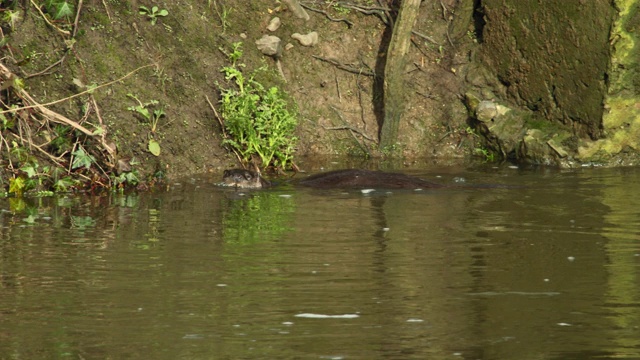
pixel 12 18
pixel 61 10
pixel 63 184
pixel 30 170
pixel 81 158
pixel 154 147
pixel 16 186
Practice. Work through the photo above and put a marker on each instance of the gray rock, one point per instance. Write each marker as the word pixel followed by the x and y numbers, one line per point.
pixel 486 111
pixel 274 24
pixel 309 39
pixel 270 45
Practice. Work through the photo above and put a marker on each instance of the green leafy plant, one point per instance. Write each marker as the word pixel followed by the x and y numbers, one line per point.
pixel 153 14
pixel 63 184
pixel 11 18
pixel 152 116
pixel 256 119
pixel 235 54
pixel 130 177
pixel 486 154
pixel 39 180
pixel 154 147
pixel 341 9
pixel 82 159
pixel 61 141
pixel 223 15
pixel 147 111
pixel 5 123
pixel 17 186
pixel 58 9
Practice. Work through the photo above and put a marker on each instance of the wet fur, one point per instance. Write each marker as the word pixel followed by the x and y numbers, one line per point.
pixel 244 179
pixel 339 179
pixel 363 179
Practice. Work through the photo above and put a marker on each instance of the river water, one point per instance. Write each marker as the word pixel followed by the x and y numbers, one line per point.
pixel 546 266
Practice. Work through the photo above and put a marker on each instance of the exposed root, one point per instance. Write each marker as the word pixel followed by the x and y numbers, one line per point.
pixel 346 67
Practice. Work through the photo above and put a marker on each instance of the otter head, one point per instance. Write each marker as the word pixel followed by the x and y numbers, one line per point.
pixel 244 179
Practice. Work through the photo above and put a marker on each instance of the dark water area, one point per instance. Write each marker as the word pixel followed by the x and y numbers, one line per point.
pixel 545 267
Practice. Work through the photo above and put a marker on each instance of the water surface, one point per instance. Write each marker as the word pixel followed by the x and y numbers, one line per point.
pixel 545 267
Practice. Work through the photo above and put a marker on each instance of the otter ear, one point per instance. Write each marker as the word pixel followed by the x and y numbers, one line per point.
pixel 248 175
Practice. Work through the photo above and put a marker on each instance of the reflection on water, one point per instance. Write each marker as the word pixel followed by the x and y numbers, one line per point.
pixel 547 269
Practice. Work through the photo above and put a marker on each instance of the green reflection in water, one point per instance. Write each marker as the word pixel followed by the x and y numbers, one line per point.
pixel 623 294
pixel 261 216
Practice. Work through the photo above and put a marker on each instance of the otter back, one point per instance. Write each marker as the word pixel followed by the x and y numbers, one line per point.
pixel 361 179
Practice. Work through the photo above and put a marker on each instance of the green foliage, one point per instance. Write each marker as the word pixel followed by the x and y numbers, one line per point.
pixel 127 178
pixel 147 111
pixel 391 150
pixel 17 186
pixel 19 153
pixel 37 179
pixel 223 15
pixel 256 119
pixel 63 184
pixel 235 54
pixel 82 158
pixel 154 147
pixel 341 9
pixel 486 154
pixel 5 123
pixel 61 141
pixel 11 18
pixel 153 14
pixel 58 9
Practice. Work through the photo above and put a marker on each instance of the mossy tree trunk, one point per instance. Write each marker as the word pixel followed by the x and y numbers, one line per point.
pixel 394 89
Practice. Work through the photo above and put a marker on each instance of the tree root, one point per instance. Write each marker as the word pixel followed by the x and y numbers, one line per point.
pixel 346 67
pixel 326 14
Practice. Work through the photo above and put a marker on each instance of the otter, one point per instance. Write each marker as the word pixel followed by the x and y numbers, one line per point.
pixel 244 179
pixel 338 179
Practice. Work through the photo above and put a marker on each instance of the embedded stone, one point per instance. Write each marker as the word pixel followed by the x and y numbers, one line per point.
pixel 269 45
pixel 486 111
pixel 274 24
pixel 309 39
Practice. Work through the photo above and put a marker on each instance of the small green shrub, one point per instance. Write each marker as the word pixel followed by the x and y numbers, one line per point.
pixel 153 14
pixel 256 119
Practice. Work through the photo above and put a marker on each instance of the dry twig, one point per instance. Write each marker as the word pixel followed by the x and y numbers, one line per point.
pixel 64 32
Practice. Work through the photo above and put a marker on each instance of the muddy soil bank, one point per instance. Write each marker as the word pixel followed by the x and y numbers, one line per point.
pixel 172 63
pixel 178 60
